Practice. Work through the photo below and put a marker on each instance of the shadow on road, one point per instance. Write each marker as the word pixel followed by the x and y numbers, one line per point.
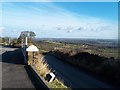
pixel 63 71
pixel 13 57
pixel 34 78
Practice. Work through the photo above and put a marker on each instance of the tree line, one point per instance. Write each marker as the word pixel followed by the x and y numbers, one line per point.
pixel 16 42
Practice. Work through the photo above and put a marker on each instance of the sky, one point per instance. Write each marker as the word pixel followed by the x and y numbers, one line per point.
pixel 98 20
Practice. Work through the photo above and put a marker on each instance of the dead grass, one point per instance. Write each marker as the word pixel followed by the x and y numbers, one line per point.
pixel 43 68
pixel 39 63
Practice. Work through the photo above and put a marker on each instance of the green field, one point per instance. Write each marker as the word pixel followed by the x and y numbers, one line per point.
pixel 46 46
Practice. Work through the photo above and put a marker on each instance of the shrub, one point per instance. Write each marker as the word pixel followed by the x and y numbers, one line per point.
pixel 107 67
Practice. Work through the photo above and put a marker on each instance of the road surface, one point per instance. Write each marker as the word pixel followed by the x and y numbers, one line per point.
pixel 73 77
pixel 14 74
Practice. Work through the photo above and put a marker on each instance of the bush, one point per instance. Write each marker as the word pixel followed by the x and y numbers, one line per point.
pixel 107 67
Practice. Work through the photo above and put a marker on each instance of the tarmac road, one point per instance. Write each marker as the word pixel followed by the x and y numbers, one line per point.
pixel 14 74
pixel 73 77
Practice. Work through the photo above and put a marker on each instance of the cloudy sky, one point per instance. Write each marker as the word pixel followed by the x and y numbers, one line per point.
pixel 61 19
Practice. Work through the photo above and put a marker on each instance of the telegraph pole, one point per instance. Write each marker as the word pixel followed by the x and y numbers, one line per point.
pixel 26 41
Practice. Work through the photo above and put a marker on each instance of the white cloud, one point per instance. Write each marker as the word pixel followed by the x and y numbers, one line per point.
pixel 2 29
pixel 60 20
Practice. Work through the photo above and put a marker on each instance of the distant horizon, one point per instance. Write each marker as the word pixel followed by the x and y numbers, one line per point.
pixel 76 38
pixel 64 38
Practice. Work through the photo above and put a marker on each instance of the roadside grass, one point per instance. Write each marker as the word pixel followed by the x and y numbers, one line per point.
pixel 41 66
pixel 43 69
pixel 57 84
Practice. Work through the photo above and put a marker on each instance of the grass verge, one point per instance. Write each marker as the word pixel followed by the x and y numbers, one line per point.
pixel 42 68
